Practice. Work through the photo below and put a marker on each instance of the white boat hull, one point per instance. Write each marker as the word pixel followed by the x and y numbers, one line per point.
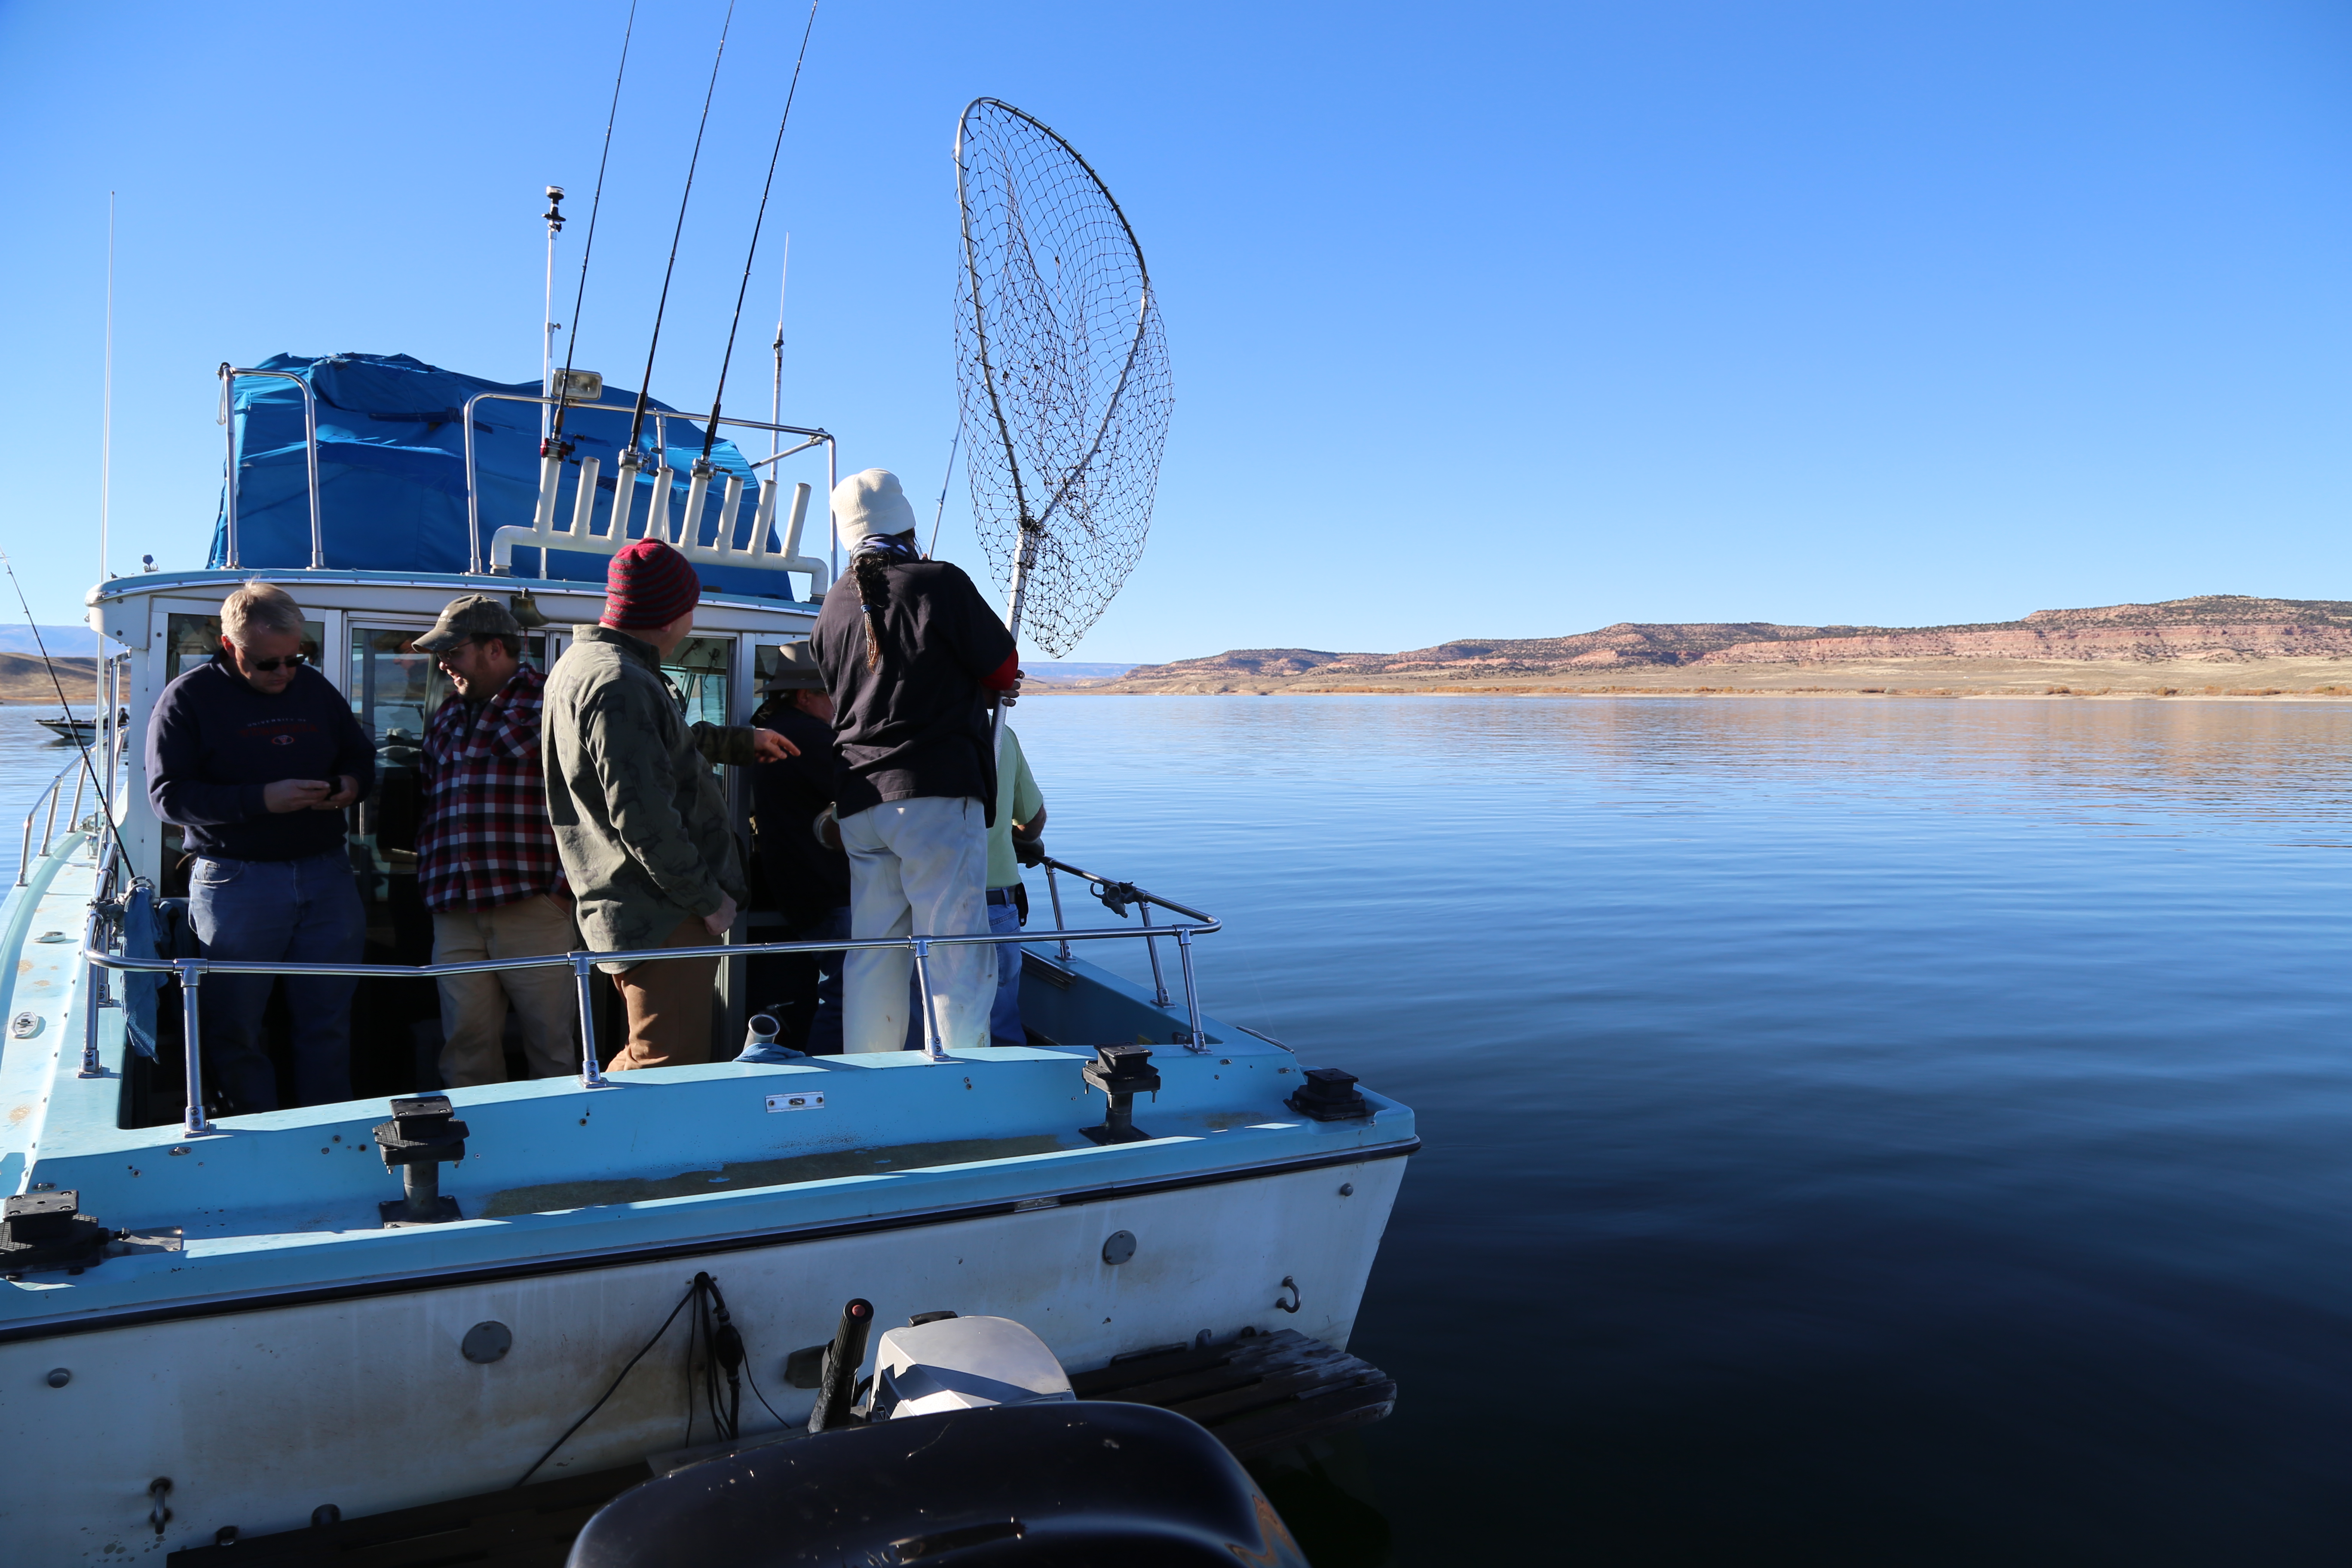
pixel 258 1416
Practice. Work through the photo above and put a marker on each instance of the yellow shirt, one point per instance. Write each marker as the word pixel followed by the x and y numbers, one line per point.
pixel 1017 800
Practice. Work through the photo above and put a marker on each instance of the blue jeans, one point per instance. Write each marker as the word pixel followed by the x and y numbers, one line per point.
pixel 1005 1018
pixel 262 911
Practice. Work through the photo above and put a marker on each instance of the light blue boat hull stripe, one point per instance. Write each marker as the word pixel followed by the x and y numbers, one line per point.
pixel 92 1323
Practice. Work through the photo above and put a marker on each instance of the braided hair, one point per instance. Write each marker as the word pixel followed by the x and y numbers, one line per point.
pixel 875 552
pixel 873 593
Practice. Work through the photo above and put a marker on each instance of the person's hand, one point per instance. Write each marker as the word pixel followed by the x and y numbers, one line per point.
pixel 768 746
pixel 827 827
pixel 1029 851
pixel 718 921
pixel 343 797
pixel 294 794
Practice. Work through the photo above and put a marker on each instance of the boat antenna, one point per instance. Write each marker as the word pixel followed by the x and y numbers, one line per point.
pixel 64 707
pixel 711 436
pixel 595 203
pixel 106 408
pixel 105 480
pixel 554 216
pixel 637 419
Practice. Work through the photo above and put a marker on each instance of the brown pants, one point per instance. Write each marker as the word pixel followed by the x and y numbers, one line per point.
pixel 669 1005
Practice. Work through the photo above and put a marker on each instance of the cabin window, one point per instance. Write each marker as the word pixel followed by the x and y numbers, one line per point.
pixel 189 640
pixel 396 689
pixel 699 670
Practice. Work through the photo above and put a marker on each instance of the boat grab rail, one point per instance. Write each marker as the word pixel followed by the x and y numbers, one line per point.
pixel 1116 896
pixel 50 796
pixel 191 972
pixel 228 374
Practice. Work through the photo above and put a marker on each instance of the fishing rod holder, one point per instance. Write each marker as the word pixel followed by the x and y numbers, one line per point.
pixel 421 1135
pixel 1121 1072
pixel 708 488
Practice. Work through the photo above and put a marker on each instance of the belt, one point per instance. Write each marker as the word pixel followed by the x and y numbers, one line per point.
pixel 1001 896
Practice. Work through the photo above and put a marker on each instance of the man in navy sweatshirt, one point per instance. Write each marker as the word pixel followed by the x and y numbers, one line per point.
pixel 255 758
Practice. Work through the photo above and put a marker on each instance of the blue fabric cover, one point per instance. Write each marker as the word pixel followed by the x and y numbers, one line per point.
pixel 392 472
pixel 151 928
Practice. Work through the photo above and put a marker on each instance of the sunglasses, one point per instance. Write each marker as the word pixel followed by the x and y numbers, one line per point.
pixel 271 666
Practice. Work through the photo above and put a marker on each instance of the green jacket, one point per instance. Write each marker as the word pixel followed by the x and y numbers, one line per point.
pixel 640 824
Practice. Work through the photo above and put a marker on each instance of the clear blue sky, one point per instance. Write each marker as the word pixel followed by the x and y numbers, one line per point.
pixel 1486 320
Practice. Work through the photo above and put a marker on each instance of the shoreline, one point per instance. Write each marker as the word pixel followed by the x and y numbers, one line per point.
pixel 1848 693
pixel 2308 679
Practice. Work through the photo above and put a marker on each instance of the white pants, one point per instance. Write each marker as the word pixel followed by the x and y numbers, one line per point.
pixel 918 868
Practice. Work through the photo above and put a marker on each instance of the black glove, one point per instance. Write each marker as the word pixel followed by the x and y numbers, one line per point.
pixel 1029 851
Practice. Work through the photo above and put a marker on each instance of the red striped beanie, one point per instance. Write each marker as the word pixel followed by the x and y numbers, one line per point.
pixel 649 584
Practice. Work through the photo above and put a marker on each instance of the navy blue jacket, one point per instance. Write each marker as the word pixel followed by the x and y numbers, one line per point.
pixel 214 741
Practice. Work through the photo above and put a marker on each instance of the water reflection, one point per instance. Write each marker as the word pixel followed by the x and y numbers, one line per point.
pixel 1903 1130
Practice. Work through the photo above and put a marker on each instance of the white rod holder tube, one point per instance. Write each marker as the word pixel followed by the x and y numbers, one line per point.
pixel 698 491
pixel 763 518
pixel 730 508
pixel 797 521
pixel 550 481
pixel 657 512
pixel 584 504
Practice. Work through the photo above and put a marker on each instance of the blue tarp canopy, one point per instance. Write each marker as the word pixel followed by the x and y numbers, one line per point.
pixel 392 472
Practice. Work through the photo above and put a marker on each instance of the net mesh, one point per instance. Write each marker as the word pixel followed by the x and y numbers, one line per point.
pixel 1062 370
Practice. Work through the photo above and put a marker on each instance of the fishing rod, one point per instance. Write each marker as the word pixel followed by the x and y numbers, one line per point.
pixel 64 706
pixel 645 394
pixel 711 436
pixel 776 398
pixel 571 345
pixel 942 510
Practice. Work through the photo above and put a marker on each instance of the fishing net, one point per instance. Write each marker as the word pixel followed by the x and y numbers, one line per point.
pixel 1062 370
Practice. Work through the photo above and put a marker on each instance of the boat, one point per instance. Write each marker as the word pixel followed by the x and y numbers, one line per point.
pixel 219 1331
pixel 81 731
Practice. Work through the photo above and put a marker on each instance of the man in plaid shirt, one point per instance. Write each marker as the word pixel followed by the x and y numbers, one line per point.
pixel 485 860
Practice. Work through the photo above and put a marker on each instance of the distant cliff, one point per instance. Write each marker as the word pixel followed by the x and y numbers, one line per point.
pixel 2217 628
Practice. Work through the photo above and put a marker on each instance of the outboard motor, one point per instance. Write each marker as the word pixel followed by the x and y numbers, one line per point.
pixel 940 1362
pixel 1048 1483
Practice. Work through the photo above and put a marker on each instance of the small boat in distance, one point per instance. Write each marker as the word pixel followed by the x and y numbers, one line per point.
pixel 82 732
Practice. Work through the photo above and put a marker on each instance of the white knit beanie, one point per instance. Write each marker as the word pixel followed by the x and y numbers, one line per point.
pixel 869 503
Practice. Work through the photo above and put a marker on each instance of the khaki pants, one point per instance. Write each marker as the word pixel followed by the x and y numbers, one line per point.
pixel 669 1005
pixel 474 1006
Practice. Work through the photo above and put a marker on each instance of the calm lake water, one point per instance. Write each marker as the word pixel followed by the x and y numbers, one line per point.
pixel 1899 1132
pixel 1858 1131
pixel 29 758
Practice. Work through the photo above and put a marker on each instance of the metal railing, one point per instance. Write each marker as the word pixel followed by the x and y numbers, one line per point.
pixel 1116 896
pixel 541 532
pixel 191 972
pixel 50 797
pixel 228 374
